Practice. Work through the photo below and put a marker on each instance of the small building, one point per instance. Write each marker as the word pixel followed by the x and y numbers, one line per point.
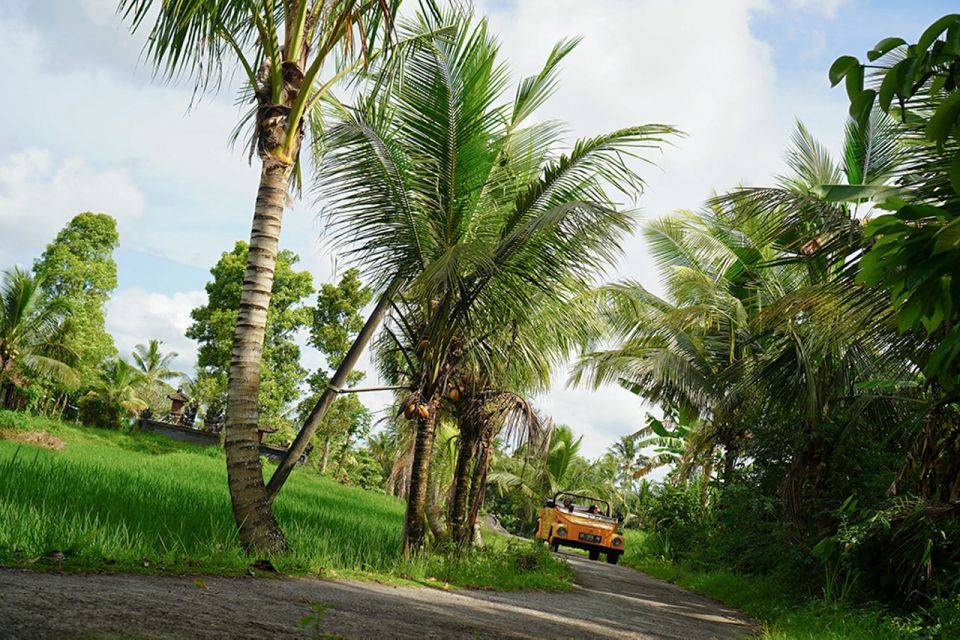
pixel 177 402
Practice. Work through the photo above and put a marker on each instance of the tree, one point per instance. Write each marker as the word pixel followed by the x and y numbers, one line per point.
pixel 280 49
pixel 78 272
pixel 155 372
pixel 336 320
pixel 34 333
pixel 530 477
pixel 214 325
pixel 437 189
pixel 117 392
pixel 916 246
pixel 336 317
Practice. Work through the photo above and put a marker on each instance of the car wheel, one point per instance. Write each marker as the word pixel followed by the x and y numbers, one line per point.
pixel 595 555
pixel 612 558
pixel 554 545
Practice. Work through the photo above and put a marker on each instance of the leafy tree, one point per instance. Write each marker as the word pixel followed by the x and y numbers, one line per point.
pixel 214 323
pixel 280 50
pixel 528 476
pixel 34 343
pixel 78 272
pixel 336 317
pixel 917 245
pixel 336 320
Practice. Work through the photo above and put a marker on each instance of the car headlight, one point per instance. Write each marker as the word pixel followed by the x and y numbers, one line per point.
pixel 561 530
pixel 617 541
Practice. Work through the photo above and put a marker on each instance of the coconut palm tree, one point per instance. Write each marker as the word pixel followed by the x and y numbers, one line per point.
pixel 435 186
pixel 154 365
pixel 530 476
pixel 33 333
pixel 281 49
pixel 154 368
pixel 118 390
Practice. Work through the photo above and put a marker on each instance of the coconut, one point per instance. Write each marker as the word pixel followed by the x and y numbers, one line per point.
pixel 408 411
pixel 423 411
pixel 455 394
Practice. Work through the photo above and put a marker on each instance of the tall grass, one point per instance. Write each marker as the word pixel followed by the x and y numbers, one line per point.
pixel 144 502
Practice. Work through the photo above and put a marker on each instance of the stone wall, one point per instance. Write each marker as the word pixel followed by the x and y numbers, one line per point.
pixel 206 438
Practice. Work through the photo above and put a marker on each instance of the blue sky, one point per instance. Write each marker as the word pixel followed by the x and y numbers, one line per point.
pixel 89 128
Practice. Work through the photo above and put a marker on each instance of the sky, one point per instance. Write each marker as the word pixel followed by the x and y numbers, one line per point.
pixel 88 127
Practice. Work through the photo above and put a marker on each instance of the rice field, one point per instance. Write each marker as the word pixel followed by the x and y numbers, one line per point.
pixel 118 501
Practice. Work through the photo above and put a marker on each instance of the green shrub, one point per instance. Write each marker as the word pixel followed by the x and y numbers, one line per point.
pixel 96 412
pixel 678 521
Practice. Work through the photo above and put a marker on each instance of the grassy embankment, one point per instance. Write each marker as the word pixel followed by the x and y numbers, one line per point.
pixel 784 614
pixel 140 502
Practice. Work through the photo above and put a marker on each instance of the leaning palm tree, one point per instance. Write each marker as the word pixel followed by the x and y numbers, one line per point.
pixel 435 186
pixel 33 333
pixel 281 48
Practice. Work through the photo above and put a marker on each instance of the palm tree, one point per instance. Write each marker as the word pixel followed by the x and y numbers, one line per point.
pixel 627 454
pixel 33 333
pixel 118 390
pixel 687 350
pixel 154 365
pixel 433 186
pixel 761 332
pixel 530 476
pixel 675 441
pixel 280 47
pixel 154 369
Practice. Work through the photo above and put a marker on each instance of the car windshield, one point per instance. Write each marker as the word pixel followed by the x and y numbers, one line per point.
pixel 567 504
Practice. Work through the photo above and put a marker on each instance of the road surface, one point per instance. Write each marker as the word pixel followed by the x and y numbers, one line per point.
pixel 608 602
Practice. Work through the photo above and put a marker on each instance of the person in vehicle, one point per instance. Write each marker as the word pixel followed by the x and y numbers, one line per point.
pixel 568 504
pixel 594 510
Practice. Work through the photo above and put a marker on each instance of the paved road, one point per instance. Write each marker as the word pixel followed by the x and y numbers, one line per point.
pixel 609 602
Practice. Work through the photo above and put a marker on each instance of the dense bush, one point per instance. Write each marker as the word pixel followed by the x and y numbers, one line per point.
pixel 678 519
pixel 95 411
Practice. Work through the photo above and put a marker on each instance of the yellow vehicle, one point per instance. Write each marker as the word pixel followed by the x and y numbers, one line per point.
pixel 582 525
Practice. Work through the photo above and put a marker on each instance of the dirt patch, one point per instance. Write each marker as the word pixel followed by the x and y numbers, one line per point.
pixel 34 438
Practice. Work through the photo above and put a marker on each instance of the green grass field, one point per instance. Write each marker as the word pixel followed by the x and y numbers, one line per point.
pixel 141 502
pixel 784 615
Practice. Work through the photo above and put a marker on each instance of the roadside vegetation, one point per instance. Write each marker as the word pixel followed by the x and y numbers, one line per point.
pixel 781 606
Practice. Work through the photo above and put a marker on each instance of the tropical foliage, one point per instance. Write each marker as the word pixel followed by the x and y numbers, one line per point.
pixel 438 186
pixel 33 337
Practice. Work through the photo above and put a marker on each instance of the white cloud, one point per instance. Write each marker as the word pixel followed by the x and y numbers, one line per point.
pixel 134 316
pixel 39 194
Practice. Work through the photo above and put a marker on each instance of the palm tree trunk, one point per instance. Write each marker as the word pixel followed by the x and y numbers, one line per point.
pixel 257 525
pixel 478 484
pixel 339 379
pixel 434 521
pixel 413 527
pixel 461 486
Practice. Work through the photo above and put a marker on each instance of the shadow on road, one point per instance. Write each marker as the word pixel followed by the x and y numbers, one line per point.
pixel 608 602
